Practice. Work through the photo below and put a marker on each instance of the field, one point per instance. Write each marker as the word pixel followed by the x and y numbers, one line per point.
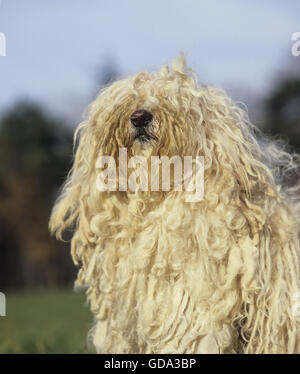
pixel 53 321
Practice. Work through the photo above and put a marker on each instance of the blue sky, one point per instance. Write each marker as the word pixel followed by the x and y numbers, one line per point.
pixel 55 47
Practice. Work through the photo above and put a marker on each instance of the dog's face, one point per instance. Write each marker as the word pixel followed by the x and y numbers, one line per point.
pixel 149 114
pixel 167 113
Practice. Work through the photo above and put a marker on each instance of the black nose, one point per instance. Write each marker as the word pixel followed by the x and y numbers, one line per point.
pixel 141 118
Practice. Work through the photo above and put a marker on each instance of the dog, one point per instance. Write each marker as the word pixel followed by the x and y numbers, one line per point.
pixel 166 275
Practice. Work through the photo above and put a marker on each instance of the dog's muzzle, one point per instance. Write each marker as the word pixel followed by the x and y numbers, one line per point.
pixel 141 119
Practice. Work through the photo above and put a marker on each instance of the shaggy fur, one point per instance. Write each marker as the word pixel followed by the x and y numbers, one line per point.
pixel 167 276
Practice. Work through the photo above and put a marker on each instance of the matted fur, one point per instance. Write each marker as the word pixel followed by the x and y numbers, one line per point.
pixel 167 276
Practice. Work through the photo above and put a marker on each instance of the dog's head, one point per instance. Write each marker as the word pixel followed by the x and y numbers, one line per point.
pixel 150 113
pixel 164 113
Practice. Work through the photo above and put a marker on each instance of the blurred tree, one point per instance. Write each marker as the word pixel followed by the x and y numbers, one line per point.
pixel 282 111
pixel 108 72
pixel 104 74
pixel 35 155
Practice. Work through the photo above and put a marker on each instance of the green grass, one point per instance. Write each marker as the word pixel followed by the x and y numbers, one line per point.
pixel 45 321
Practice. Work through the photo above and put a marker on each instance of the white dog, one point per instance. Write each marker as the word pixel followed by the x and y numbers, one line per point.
pixel 168 276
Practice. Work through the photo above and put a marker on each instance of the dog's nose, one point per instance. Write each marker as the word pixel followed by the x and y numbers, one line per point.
pixel 141 118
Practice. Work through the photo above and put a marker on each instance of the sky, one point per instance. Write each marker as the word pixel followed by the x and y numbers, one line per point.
pixel 56 48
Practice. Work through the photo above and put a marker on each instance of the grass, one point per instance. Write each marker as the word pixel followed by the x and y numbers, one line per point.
pixel 45 321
